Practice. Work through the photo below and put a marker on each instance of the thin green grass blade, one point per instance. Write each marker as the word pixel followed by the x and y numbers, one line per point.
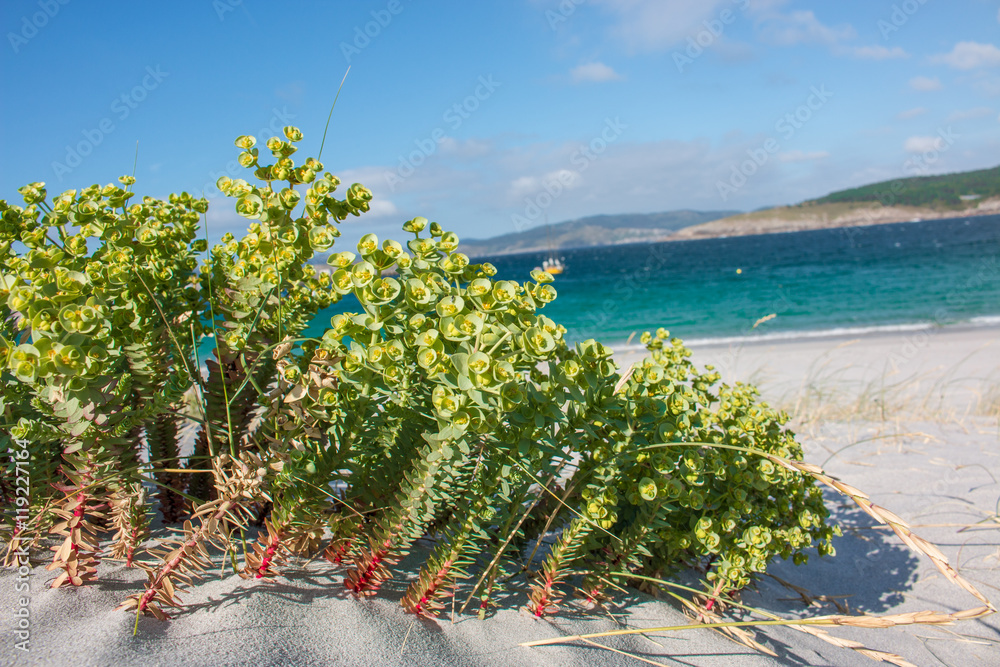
pixel 323 142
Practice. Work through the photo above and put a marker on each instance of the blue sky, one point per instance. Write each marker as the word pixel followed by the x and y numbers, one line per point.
pixel 489 116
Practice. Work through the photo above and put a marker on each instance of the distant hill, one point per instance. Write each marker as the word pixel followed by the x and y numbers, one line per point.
pixel 968 193
pixel 591 231
pixel 945 191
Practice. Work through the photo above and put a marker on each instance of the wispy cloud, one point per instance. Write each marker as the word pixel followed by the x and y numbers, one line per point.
pixel 969 55
pixel 802 27
pixel 925 84
pixel 653 25
pixel 596 72
pixel 922 144
pixel 802 156
pixel 911 113
pixel 382 208
pixel 879 52
pixel 526 186
pixel 469 148
pixel 970 114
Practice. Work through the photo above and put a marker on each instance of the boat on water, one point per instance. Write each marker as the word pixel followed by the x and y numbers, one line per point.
pixel 553 266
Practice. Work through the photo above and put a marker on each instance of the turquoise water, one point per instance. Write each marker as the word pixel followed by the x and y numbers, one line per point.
pixel 885 277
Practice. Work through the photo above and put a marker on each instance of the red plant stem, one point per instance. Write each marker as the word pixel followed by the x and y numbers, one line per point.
pixel 78 513
pixel 438 580
pixel 432 588
pixel 265 564
pixel 131 549
pixel 544 599
pixel 711 601
pixel 342 551
pixel 170 566
pixel 364 577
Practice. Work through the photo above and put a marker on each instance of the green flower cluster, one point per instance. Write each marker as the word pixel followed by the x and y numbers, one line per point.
pixel 444 403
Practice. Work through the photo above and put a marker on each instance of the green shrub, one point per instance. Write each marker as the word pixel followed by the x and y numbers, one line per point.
pixel 448 406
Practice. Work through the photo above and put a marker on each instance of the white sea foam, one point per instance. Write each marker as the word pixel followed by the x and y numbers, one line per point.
pixel 836 332
pixel 986 320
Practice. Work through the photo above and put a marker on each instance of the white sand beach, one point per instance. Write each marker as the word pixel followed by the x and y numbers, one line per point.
pixel 909 418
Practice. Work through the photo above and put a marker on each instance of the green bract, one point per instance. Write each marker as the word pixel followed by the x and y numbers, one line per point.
pixel 446 405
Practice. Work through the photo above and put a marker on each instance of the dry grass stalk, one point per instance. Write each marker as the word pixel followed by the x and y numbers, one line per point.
pixel 900 527
pixel 181 560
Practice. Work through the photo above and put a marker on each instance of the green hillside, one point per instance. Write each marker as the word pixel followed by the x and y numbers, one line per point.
pixel 945 191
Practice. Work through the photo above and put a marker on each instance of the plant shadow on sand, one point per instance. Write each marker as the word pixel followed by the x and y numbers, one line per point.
pixel 870 573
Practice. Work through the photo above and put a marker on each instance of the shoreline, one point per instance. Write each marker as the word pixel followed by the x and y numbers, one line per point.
pixel 835 335
pixel 757 222
pixel 935 372
pixel 687 234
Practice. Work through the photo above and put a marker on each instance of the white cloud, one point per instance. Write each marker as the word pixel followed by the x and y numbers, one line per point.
pixel 474 196
pixel 802 27
pixel 925 83
pixel 382 207
pixel 969 114
pixel 652 25
pixel 469 148
pixel 594 73
pixel 800 156
pixel 879 52
pixel 731 51
pixel 911 113
pixel 969 55
pixel 988 85
pixel 527 186
pixel 523 186
pixel 922 144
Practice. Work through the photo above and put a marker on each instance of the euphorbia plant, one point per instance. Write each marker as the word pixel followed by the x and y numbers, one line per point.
pixel 88 304
pixel 441 403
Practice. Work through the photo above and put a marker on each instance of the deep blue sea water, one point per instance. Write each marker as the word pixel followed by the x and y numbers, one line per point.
pixel 851 280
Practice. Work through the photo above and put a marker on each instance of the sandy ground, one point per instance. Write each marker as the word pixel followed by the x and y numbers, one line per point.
pixel 907 418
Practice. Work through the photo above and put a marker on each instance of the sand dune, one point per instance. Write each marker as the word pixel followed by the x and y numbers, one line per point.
pixel 911 421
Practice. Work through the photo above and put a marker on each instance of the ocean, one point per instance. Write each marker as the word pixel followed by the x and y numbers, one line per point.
pixel 897 277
